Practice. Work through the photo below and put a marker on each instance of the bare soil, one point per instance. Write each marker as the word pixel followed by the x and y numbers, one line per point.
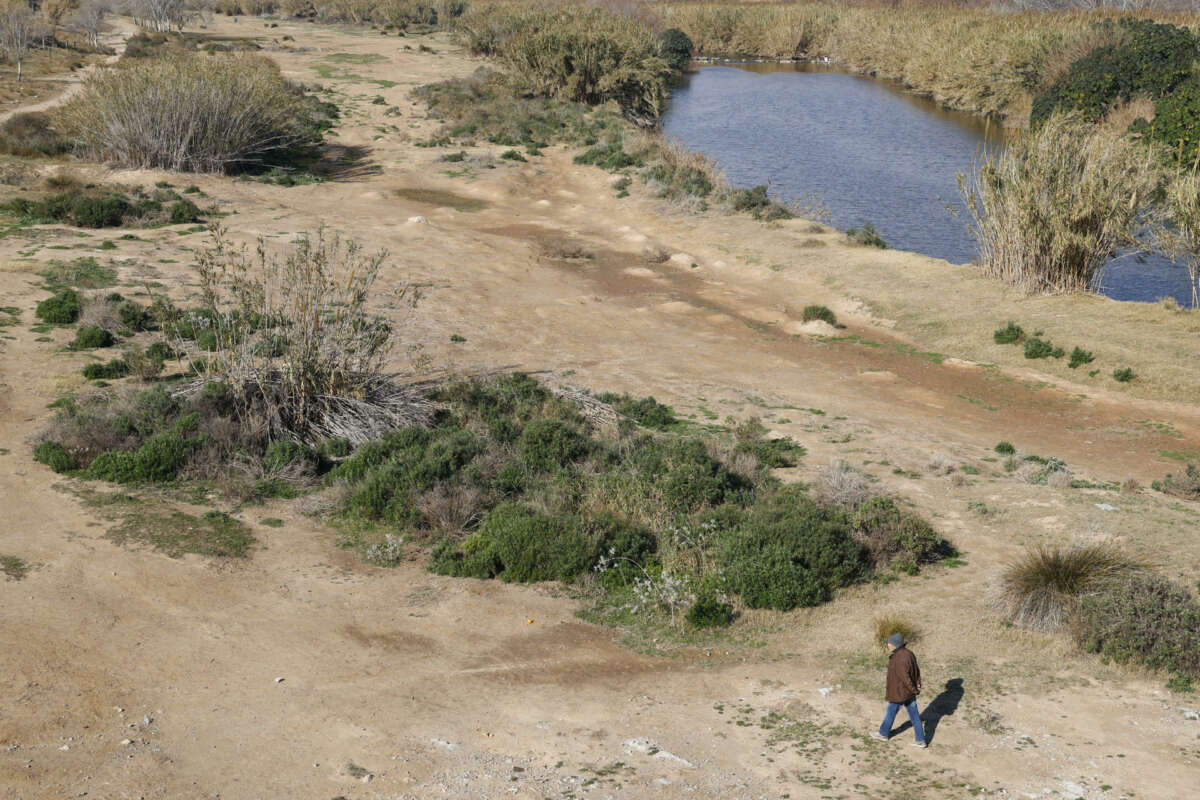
pixel 302 673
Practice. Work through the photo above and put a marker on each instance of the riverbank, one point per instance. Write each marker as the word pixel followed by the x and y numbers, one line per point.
pixel 303 672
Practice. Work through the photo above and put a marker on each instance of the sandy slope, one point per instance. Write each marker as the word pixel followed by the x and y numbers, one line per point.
pixel 128 674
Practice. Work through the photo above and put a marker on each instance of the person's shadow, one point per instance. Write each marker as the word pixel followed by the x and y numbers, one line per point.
pixel 943 705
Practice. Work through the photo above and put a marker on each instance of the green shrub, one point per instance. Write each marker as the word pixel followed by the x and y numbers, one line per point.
pixel 1152 60
pixel 1040 348
pixel 158 460
pixel 1144 619
pixel 182 212
pixel 895 536
pixel 676 48
pixel 774 453
pixel 548 444
pixel 512 155
pixel 1079 357
pixel 136 317
pixel 283 453
pixel 1124 375
pixel 866 236
pixel 1041 589
pixel 688 478
pixel 336 447
pixel 160 351
pixel 611 157
pixel 1005 448
pixel 645 411
pixel 818 313
pixel 518 544
pixel 61 309
pixel 789 552
pixel 99 211
pixel 117 368
pixel 92 336
pixel 1011 333
pixel 54 456
pixel 709 611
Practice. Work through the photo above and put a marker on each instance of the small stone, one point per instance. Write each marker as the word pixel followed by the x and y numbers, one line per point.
pixel 368 778
pixel 828 690
pixel 417 220
pixel 147 719
pixel 1190 714
pixel 65 747
pixel 127 742
pixel 279 680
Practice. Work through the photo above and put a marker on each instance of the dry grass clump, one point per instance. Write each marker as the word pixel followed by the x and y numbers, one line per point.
pixel 1056 206
pixel 887 624
pixel 197 113
pixel 294 339
pixel 1041 589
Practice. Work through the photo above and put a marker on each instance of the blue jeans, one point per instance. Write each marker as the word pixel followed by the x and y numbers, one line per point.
pixel 913 714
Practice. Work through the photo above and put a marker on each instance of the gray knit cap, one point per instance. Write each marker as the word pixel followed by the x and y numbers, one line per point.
pixel 896 640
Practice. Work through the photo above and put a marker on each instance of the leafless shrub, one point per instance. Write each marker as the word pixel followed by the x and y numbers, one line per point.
pixel 99 311
pixel 297 343
pixel 940 464
pixel 958 480
pixel 1060 479
pixel 450 509
pixel 1130 485
pixel 839 484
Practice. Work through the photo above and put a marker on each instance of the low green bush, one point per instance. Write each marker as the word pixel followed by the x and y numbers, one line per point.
pixel 788 552
pixel 31 134
pixel 676 47
pixel 518 544
pixel 157 460
pixel 1005 448
pixel 549 444
pixel 709 611
pixel 1011 333
pixel 645 411
pixel 866 236
pixel 54 456
pixel 1186 485
pixel 1041 589
pixel 337 447
pixel 92 336
pixel 894 536
pixel 61 309
pixel 1143 619
pixel 1040 348
pixel 813 313
pixel 756 202
pixel 1123 375
pixel 774 453
pixel 1079 357
pixel 116 368
pixel 283 453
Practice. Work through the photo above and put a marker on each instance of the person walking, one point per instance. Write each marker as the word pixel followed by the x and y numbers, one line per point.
pixel 903 686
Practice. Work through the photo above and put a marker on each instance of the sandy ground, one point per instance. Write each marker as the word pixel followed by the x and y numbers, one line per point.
pixel 302 673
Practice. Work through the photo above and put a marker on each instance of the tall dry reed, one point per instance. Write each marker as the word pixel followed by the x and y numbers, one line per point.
pixel 1059 203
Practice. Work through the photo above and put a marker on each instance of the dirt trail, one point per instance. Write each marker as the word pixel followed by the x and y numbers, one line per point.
pixel 129 674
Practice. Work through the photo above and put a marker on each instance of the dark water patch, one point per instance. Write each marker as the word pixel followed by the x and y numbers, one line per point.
pixel 873 152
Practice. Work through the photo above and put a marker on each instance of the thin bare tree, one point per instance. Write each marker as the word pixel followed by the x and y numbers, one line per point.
pixel 90 19
pixel 16 31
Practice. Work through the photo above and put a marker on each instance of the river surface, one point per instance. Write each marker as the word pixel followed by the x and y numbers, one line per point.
pixel 871 151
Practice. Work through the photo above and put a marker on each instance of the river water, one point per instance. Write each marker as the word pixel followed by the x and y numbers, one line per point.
pixel 872 152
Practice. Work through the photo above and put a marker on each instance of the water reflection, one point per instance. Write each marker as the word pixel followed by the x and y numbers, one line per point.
pixel 872 151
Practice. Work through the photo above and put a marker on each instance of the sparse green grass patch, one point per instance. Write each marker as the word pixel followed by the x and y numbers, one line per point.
pixel 13 567
pixel 175 533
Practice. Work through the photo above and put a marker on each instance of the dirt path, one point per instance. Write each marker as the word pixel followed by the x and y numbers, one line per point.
pixel 129 674
pixel 115 37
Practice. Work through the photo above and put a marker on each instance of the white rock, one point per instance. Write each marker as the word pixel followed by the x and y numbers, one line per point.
pixel 417 220
pixel 127 742
pixel 641 744
pixel 828 690
pixel 1074 789
pixel 1106 507
pixel 65 747
pixel 663 754
pixel 1190 714
pixel 445 744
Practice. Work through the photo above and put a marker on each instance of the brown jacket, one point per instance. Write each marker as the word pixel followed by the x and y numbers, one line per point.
pixel 903 677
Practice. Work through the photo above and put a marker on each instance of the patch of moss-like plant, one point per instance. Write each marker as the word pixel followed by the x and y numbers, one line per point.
pixel 175 533
pixel 1011 333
